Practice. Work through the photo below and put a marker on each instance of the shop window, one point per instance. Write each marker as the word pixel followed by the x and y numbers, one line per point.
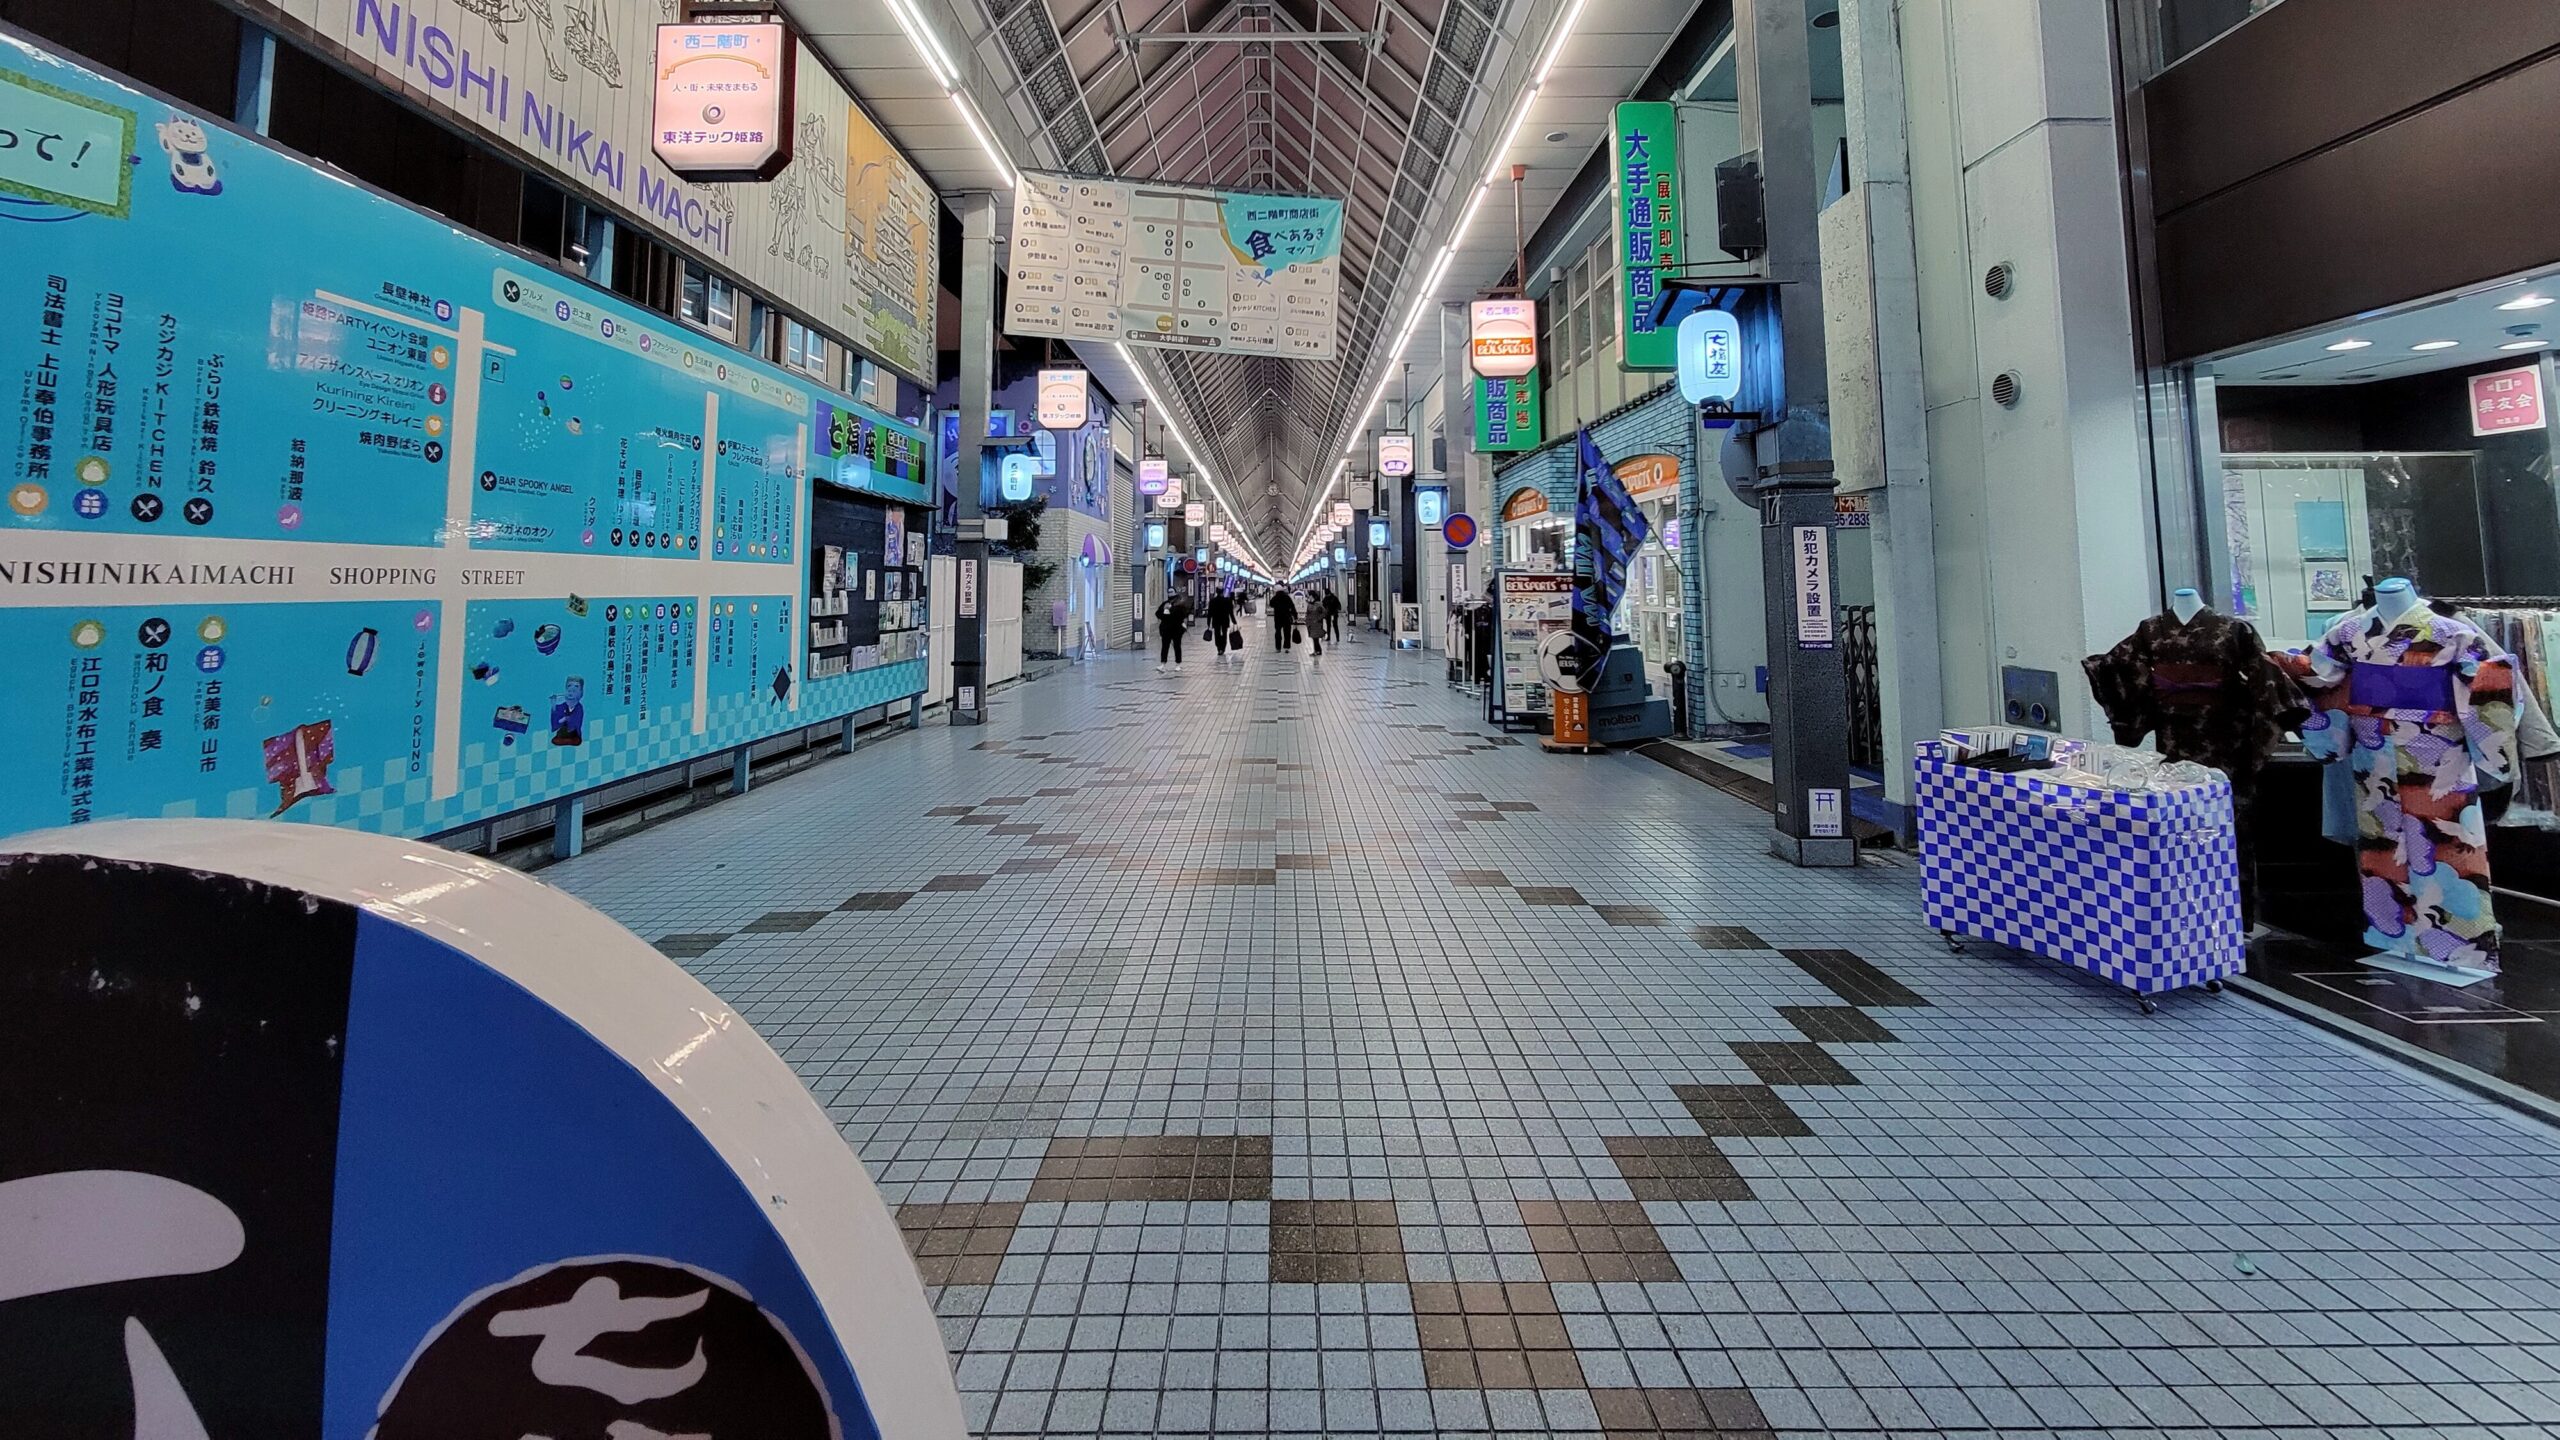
pixel 189 48
pixel 2186 26
pixel 709 302
pixel 804 349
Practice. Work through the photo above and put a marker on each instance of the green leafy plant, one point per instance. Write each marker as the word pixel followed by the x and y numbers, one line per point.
pixel 1022 528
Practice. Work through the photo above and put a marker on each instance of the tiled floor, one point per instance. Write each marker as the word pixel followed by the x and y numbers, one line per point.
pixel 1277 1052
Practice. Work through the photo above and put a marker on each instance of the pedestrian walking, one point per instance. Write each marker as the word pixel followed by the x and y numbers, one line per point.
pixel 1284 619
pixel 1172 618
pixel 1222 619
pixel 1333 614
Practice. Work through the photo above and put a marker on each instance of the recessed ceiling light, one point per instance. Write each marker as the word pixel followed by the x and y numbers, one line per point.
pixel 1826 19
pixel 2524 344
pixel 2351 345
pixel 1558 137
pixel 2528 302
pixel 2435 344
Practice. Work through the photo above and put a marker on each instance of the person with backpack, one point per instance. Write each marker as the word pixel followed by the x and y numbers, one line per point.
pixel 1222 618
pixel 1173 617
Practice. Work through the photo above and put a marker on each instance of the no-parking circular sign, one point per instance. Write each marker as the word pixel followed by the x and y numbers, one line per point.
pixel 1459 530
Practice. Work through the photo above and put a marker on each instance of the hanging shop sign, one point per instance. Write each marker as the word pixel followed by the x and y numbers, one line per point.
pixel 1395 454
pixel 403 582
pixel 363 1123
pixel 1195 514
pixel 845 235
pixel 1649 477
pixel 1377 534
pixel 1065 399
pixel 1430 505
pixel 1341 556
pixel 1710 357
pixel 1851 512
pixel 1155 534
pixel 1151 264
pixel 1341 512
pixel 1459 531
pixel 724 100
pixel 2507 400
pixel 1153 477
pixel 1812 552
pixel 1526 502
pixel 1645 159
pixel 1502 337
pixel 1364 491
pixel 1509 414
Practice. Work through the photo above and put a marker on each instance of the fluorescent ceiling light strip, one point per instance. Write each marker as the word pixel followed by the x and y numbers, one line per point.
pixel 927 48
pixel 1555 50
pixel 1528 97
pixel 969 116
pixel 1173 430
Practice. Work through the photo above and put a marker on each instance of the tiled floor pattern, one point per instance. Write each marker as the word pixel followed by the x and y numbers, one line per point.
pixel 1234 1073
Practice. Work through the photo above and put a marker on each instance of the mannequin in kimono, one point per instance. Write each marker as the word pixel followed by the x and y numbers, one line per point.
pixel 2202 683
pixel 2421 705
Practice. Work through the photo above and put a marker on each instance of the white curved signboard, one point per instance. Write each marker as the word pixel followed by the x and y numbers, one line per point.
pixel 311 1133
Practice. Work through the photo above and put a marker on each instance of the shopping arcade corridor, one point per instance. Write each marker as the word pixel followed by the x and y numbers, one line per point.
pixel 1275 1050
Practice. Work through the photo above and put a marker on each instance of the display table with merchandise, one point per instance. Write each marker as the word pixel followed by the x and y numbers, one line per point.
pixel 2115 864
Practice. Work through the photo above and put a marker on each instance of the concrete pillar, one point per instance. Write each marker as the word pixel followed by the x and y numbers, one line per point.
pixel 2040 507
pixel 977 373
pixel 1879 420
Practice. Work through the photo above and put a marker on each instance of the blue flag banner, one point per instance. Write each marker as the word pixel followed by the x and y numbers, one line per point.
pixel 1608 528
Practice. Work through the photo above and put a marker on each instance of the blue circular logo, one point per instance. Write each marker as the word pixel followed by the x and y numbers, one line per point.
pixel 561 310
pixel 89 504
pixel 209 659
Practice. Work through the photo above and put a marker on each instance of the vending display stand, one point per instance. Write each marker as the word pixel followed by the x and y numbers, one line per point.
pixel 2137 886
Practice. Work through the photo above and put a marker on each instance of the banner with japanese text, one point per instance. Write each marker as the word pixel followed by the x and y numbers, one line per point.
pixel 1508 413
pixel 1644 151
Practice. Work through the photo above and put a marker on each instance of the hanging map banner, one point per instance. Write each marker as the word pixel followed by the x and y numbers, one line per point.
pixel 1167 265
pixel 385 528
pixel 845 235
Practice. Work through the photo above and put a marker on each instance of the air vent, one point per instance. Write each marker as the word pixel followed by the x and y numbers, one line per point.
pixel 2004 389
pixel 1996 281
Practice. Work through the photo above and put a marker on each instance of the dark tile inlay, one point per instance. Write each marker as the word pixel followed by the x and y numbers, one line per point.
pixel 1792 1062
pixel 1676 1167
pixel 1479 815
pixel 979 820
pixel 959 1244
pixel 1726 937
pixel 1155 1167
pixel 1602 1242
pixel 1854 979
pixel 1030 866
pixel 1741 1111
pixel 1513 807
pixel 782 922
pixel 876 900
pixel 1644 915
pixel 1055 792
pixel 1493 1335
pixel 1302 862
pixel 1489 879
pixel 1015 830
pixel 948 810
pixel 685 947
pixel 1226 875
pixel 955 882
pixel 1550 895
pixel 1330 1241
pixel 1005 800
pixel 1643 1414
pixel 1465 796
pixel 1844 1023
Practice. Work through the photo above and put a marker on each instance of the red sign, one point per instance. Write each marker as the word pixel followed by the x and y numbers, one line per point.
pixel 1459 531
pixel 2507 400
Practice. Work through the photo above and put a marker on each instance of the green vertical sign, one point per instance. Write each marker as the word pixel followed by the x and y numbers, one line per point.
pixel 1508 413
pixel 1645 152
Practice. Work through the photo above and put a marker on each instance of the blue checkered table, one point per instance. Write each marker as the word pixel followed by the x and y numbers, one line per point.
pixel 2141 887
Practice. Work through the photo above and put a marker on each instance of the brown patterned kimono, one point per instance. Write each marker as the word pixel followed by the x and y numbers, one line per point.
pixel 2205 686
